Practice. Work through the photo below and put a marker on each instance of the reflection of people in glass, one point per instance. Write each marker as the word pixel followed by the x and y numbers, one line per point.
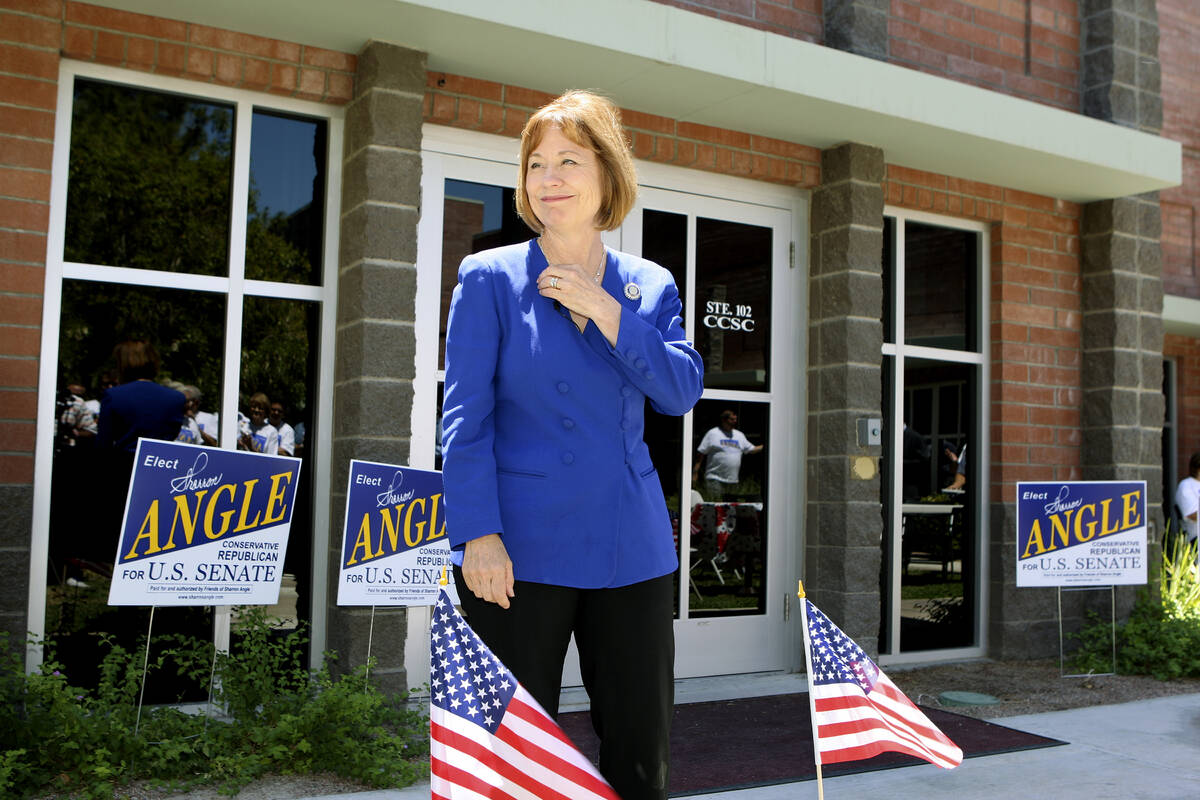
pixel 76 419
pixel 551 496
pixel 916 464
pixel 1187 500
pixel 720 453
pixel 137 407
pixel 255 432
pixel 287 436
pixel 957 461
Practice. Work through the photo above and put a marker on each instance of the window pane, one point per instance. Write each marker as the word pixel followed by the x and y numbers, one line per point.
pixel 664 241
pixel 284 221
pixel 93 457
pixel 149 180
pixel 939 287
pixel 733 303
pixel 475 216
pixel 727 566
pixel 276 395
pixel 889 279
pixel 938 547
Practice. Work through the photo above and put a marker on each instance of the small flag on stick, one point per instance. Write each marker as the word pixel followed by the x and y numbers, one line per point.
pixel 488 737
pixel 857 712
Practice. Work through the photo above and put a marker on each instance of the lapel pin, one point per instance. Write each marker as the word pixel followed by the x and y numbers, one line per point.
pixel 632 291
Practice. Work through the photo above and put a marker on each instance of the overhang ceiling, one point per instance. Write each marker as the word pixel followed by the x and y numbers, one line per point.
pixel 662 60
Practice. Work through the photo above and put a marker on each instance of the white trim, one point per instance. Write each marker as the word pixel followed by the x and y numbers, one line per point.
pixel 1181 315
pixel 695 68
pixel 233 285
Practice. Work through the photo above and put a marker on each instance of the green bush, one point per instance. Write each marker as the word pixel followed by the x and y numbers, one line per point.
pixel 278 718
pixel 1161 636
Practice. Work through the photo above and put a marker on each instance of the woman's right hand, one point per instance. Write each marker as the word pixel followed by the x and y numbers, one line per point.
pixel 487 569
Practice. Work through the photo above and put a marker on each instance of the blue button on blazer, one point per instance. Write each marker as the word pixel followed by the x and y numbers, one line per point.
pixel 542 425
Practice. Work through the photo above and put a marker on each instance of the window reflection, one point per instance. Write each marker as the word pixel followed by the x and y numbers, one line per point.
pixel 149 180
pixel 102 411
pixel 728 521
pixel 664 241
pixel 733 303
pixel 939 282
pixel 284 220
pixel 276 396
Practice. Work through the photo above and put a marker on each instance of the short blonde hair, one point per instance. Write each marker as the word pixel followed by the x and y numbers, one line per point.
pixel 594 122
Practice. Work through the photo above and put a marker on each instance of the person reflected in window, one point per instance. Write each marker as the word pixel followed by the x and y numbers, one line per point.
pixel 76 420
pixel 720 454
pixel 138 407
pixel 957 461
pixel 1187 500
pixel 287 436
pixel 255 432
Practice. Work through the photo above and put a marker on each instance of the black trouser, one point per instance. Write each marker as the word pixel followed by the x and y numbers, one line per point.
pixel 626 655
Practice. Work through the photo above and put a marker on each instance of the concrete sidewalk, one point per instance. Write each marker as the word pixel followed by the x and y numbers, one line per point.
pixel 1144 750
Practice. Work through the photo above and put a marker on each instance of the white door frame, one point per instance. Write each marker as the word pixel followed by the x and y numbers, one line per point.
pixel 705 646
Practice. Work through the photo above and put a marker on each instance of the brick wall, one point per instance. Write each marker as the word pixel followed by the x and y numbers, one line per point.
pixel 799 19
pixel 1035 337
pixel 1026 49
pixel 1179 53
pixel 489 107
pixel 1187 392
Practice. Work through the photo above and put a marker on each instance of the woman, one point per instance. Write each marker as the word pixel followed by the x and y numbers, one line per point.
pixel 552 501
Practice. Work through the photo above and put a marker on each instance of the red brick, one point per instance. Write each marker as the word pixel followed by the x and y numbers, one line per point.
pixel 20 29
pixel 28 92
pixel 18 436
pixel 19 373
pixel 140 24
pixel 244 43
pixel 23 214
pixel 444 108
pixel 228 69
pixel 171 58
pixel 110 48
pixel 517 96
pixel 467 114
pixel 514 120
pixel 491 118
pixel 707 133
pixel 199 62
pixel 16 469
pixel 79 42
pixel 31 153
pixel 21 310
pixel 43 8
pixel 341 87
pixel 22 278
pixel 647 122
pixel 17 341
pixel 25 183
pixel 311 85
pixel 140 52
pixel 330 59
pixel 28 248
pixel 28 61
pixel 283 78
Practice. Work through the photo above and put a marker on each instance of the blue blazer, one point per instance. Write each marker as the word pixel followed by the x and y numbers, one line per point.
pixel 542 425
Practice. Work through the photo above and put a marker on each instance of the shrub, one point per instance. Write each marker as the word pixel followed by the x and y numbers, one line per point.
pixel 278 717
pixel 1161 636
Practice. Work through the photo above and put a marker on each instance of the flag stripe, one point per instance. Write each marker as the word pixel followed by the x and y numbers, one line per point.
pixel 497 752
pixel 866 724
pixel 499 769
pixel 489 738
pixel 853 708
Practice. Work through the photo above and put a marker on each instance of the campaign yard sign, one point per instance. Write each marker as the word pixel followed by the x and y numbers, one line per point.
pixel 394 543
pixel 203 527
pixel 1081 533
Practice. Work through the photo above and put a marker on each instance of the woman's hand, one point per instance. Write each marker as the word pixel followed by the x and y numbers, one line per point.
pixel 577 290
pixel 487 569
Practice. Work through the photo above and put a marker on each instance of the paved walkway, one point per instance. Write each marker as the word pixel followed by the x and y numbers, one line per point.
pixel 1133 751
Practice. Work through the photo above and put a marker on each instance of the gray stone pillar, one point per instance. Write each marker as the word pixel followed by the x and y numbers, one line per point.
pixel 857 26
pixel 1122 79
pixel 844 523
pixel 1122 266
pixel 373 390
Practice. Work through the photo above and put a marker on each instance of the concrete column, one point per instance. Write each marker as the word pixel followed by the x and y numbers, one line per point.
pixel 857 26
pixel 375 346
pixel 1122 79
pixel 844 523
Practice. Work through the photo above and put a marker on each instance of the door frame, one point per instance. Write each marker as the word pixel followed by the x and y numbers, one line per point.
pixel 467 155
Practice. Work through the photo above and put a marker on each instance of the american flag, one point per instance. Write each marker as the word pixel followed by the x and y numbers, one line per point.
pixel 488 737
pixel 857 711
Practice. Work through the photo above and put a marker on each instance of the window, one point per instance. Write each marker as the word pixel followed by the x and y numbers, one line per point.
pixel 188 217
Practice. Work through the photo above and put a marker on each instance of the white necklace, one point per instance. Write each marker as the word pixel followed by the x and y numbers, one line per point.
pixel 599 267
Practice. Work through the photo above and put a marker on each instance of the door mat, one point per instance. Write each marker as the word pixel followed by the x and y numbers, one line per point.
pixel 759 741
